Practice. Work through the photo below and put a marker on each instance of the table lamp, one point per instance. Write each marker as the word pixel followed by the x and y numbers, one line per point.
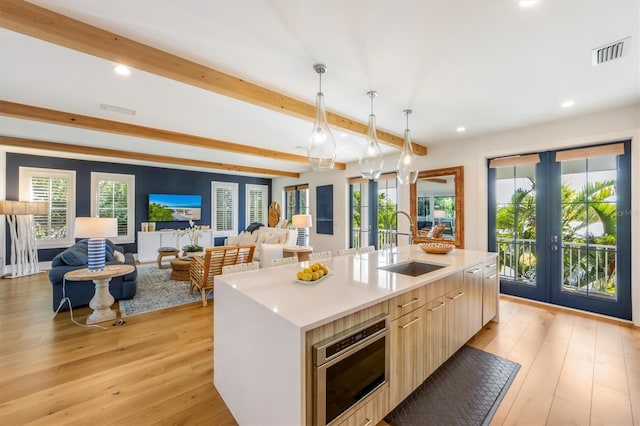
pixel 439 215
pixel 96 229
pixel 302 222
pixel 24 253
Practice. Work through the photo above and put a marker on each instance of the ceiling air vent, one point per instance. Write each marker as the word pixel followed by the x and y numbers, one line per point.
pixel 609 52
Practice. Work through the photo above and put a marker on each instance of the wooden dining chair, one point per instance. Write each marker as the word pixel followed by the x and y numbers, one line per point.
pixel 204 270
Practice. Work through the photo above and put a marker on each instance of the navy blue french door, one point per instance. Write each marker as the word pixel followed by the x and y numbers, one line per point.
pixel 561 224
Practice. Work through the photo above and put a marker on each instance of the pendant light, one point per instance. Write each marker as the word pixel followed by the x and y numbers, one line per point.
pixel 371 160
pixel 407 171
pixel 322 147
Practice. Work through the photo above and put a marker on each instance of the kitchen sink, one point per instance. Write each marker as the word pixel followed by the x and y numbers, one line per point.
pixel 413 268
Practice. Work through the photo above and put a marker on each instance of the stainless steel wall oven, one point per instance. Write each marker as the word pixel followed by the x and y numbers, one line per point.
pixel 348 367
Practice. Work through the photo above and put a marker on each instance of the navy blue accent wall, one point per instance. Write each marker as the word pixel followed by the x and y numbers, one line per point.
pixel 149 180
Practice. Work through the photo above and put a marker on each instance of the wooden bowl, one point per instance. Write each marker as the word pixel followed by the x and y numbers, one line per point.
pixel 436 248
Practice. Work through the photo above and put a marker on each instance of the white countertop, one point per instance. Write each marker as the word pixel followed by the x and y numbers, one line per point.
pixel 354 283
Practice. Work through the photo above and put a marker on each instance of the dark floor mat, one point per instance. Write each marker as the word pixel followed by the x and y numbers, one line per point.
pixel 465 390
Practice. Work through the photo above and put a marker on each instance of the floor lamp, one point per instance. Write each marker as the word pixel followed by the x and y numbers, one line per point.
pixel 24 253
pixel 302 222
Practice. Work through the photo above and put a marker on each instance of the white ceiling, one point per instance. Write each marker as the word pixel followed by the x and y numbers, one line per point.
pixel 485 65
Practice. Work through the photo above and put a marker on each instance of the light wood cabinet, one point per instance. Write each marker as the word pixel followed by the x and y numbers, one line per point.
pixel 472 285
pixel 456 310
pixel 435 335
pixel 406 302
pixel 372 412
pixel 490 292
pixel 407 362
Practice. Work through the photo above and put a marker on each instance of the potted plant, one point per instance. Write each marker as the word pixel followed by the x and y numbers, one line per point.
pixel 193 232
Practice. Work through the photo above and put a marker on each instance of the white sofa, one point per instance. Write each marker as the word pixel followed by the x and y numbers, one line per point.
pixel 269 242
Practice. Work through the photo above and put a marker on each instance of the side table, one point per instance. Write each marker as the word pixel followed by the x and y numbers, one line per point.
pixel 180 269
pixel 302 252
pixel 102 299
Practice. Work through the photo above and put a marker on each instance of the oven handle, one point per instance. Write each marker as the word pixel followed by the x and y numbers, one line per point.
pixel 342 355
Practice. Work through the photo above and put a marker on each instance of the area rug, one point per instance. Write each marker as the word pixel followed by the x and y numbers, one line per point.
pixel 156 291
pixel 466 390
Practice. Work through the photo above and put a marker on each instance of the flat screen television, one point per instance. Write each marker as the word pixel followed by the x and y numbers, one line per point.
pixel 174 207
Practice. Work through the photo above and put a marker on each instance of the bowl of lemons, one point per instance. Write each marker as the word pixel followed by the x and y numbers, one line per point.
pixel 313 273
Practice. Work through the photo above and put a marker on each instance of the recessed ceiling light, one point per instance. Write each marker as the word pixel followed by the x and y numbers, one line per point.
pixel 122 70
pixel 461 129
pixel 527 3
pixel 567 104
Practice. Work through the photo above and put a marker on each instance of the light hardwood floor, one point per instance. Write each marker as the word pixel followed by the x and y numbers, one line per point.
pixel 157 368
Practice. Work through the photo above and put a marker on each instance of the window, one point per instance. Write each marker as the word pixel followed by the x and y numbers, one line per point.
pixel 224 208
pixel 296 200
pixel 56 187
pixel 113 195
pixel 256 203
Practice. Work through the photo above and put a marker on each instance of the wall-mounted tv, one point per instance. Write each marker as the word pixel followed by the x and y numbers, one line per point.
pixel 174 207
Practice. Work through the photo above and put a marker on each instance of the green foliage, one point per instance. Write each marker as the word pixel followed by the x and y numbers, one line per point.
pixel 386 212
pixel 585 267
pixel 159 213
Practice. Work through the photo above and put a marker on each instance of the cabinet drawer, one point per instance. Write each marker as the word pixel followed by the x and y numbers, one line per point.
pixel 490 268
pixel 372 412
pixel 406 303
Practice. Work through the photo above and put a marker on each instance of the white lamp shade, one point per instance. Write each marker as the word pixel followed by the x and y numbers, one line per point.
pixel 439 214
pixel 96 227
pixel 301 221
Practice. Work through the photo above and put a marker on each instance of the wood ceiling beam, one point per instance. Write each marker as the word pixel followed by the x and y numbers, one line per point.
pixel 29 112
pixel 130 155
pixel 44 24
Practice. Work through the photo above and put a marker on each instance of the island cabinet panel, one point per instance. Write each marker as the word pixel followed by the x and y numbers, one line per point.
pixel 490 292
pixel 325 331
pixel 435 335
pixel 473 281
pixel 408 354
pixel 372 412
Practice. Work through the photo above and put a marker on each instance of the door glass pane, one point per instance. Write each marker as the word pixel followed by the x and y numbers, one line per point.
pixel 359 223
pixel 589 238
pixel 387 207
pixel 516 223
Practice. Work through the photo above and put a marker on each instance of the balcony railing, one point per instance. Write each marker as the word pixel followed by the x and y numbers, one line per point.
pixel 385 237
pixel 586 268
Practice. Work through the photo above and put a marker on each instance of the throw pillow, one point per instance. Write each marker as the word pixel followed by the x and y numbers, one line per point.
pixel 118 257
pixel 254 226
pixel 75 256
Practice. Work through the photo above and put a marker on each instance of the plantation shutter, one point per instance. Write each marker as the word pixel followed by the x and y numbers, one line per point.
pixel 54 191
pixel 256 201
pixel 224 209
pixel 113 202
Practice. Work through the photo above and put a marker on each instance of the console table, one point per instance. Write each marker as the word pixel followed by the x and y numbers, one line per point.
pixel 150 242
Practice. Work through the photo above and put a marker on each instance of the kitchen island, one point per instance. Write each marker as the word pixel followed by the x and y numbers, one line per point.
pixel 265 323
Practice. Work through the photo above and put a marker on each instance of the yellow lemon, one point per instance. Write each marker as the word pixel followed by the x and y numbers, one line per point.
pixel 308 270
pixel 314 276
pixel 300 275
pixel 320 272
pixel 306 276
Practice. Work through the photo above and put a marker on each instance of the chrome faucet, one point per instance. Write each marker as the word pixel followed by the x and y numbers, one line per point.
pixel 410 234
